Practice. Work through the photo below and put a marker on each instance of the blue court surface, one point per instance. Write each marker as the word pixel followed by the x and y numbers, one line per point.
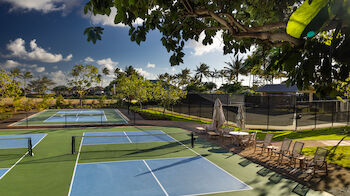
pixel 172 176
pixel 125 137
pixel 78 116
pixel 19 143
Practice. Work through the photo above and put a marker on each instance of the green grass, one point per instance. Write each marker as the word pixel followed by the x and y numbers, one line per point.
pixel 173 116
pixel 340 157
pixel 315 134
pixel 50 171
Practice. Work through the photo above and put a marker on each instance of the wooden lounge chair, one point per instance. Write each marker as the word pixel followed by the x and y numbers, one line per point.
pixel 318 163
pixel 224 133
pixel 263 145
pixel 284 149
pixel 249 141
pixel 294 154
pixel 211 131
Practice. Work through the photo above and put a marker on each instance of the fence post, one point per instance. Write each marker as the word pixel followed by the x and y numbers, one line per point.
pixel 268 112
pixel 333 108
pixel 347 104
pixel 295 116
pixel 200 107
pixel 315 114
pixel 27 118
pixel 189 106
pixel 227 105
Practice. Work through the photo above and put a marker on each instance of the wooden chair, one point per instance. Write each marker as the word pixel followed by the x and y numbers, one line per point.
pixel 294 154
pixel 249 141
pixel 318 163
pixel 284 149
pixel 263 145
pixel 211 131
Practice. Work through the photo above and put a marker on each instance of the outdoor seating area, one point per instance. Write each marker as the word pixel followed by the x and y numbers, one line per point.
pixel 288 154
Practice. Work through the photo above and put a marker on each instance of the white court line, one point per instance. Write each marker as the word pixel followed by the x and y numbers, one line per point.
pixel 161 186
pixel 75 166
pixel 29 117
pixel 50 117
pixel 127 137
pixel 20 159
pixel 122 115
pixel 77 116
pixel 104 115
pixel 249 187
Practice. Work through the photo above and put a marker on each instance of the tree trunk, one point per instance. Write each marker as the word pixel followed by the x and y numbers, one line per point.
pixel 164 109
pixel 81 101
pixel 140 106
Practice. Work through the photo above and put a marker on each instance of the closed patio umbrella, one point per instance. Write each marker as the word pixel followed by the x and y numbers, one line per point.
pixel 240 117
pixel 218 115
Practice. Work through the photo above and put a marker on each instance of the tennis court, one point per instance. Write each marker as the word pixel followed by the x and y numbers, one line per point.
pixel 13 148
pixel 155 160
pixel 189 175
pixel 74 117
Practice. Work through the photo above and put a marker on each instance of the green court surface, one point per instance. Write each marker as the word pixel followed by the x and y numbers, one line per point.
pixel 50 171
pixel 74 117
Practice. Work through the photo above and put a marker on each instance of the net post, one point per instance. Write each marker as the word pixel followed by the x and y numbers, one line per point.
pixel 192 140
pixel 73 144
pixel 30 147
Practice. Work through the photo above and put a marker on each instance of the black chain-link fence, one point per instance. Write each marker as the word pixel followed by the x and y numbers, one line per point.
pixel 278 112
pixel 274 112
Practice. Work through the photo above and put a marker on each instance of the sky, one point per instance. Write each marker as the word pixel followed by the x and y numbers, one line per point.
pixel 46 38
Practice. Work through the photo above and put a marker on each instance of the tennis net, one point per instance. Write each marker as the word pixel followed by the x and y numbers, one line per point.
pixel 16 145
pixel 121 146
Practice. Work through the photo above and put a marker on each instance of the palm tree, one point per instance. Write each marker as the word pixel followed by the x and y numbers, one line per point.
pixel 106 72
pixel 234 68
pixel 222 74
pixel 184 77
pixel 214 74
pixel 202 71
pixel 26 76
pixel 167 78
pixel 130 70
pixel 118 72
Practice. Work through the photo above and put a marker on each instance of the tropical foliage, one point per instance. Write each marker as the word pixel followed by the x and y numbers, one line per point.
pixel 316 60
pixel 83 77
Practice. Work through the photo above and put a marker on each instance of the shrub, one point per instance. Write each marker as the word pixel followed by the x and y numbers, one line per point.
pixel 59 101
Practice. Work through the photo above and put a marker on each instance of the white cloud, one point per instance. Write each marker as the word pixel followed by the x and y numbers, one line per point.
pixel 173 69
pixel 109 20
pixel 40 69
pixel 59 77
pixel 10 64
pixel 88 60
pixel 200 49
pixel 145 74
pixel 45 6
pixel 17 49
pixel 108 63
pixel 150 65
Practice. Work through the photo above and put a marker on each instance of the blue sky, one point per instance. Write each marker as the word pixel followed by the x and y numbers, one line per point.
pixel 46 38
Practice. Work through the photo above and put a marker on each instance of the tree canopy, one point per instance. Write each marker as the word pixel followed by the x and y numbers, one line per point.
pixel 317 61
pixel 8 86
pixel 83 77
